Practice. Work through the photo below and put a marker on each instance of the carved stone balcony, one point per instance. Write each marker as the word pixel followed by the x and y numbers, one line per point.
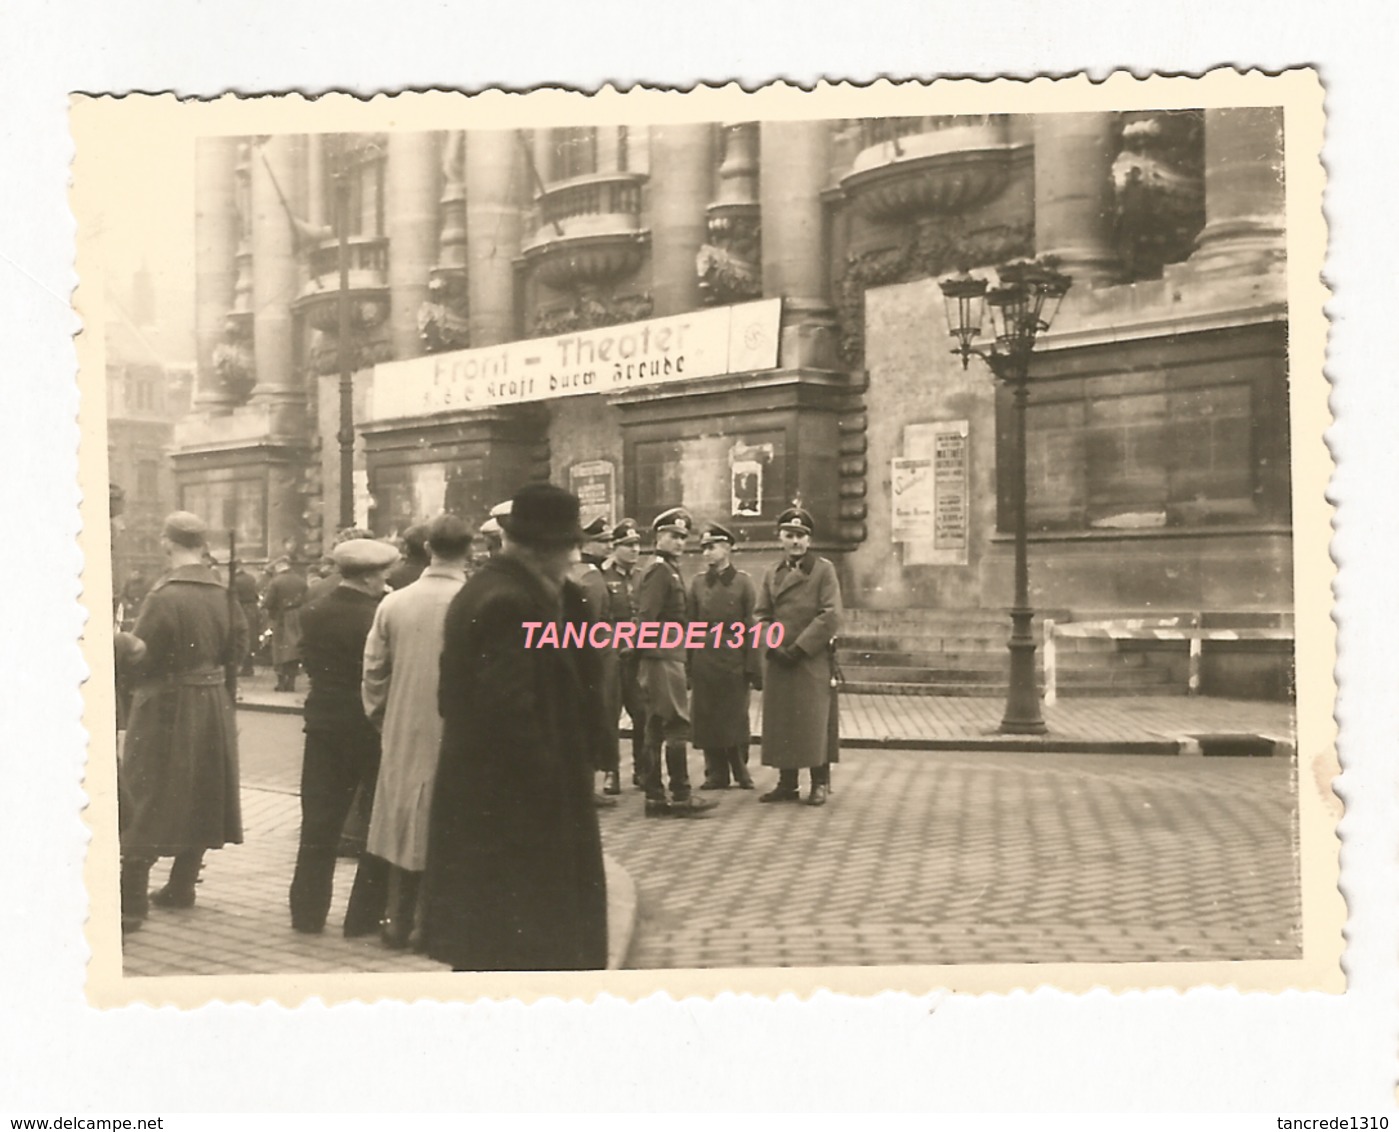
pixel 916 166
pixel 368 278
pixel 589 231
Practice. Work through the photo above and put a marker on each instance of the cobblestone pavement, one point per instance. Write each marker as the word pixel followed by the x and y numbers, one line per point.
pixel 920 857
pixel 989 858
pixel 240 923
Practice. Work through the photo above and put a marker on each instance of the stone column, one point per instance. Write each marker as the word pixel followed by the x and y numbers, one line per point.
pixel 215 269
pixel 494 188
pixel 682 171
pixel 411 220
pixel 451 254
pixel 1074 201
pixel 794 162
pixel 275 281
pixel 1244 198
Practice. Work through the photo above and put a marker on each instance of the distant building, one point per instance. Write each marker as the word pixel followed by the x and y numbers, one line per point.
pixel 1158 427
pixel 146 395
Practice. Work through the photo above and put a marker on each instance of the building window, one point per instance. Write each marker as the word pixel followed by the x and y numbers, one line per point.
pixel 575 152
pixel 366 156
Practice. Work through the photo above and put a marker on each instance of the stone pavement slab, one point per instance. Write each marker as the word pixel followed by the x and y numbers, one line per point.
pixel 1160 725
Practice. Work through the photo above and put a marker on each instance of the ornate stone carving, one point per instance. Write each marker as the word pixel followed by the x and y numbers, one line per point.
pixel 929 250
pixel 590 231
pixel 730 265
pixel 324 354
pixel 442 321
pixel 233 356
pixel 916 166
pixel 590 311
pixel 1159 182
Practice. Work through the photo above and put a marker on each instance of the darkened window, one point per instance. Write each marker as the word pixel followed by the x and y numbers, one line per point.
pixel 575 152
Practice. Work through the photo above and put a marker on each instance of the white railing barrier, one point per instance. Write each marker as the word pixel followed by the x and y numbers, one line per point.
pixel 1184 628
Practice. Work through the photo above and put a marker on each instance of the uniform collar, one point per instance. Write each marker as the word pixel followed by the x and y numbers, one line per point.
pixel 806 563
pixel 725 576
pixel 195 572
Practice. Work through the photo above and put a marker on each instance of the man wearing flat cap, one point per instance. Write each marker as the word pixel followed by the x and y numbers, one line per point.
pixel 179 769
pixel 620 574
pixel 490 531
pixel 661 599
pixel 515 878
pixel 800 725
pixel 721 676
pixel 342 746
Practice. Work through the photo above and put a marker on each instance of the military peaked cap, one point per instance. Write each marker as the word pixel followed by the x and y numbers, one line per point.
pixel 677 520
pixel 626 531
pixel 715 533
pixel 797 521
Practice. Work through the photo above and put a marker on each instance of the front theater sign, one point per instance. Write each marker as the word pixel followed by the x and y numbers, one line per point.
pixel 612 359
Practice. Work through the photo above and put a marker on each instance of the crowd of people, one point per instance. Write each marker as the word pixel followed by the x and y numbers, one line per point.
pixel 483 762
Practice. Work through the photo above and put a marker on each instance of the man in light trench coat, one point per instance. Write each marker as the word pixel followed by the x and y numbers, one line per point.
pixel 800 725
pixel 402 658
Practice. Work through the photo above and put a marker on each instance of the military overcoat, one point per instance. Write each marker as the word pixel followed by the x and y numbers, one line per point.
pixel 515 877
pixel 179 767
pixel 719 676
pixel 798 699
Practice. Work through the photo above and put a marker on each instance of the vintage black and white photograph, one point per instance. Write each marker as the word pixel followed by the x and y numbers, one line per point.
pixel 861 538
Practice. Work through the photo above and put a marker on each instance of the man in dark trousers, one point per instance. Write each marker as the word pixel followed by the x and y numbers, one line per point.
pixel 179 768
pixel 586 574
pixel 800 724
pixel 342 746
pixel 515 877
pixel 620 574
pixel 246 593
pixel 661 599
pixel 721 676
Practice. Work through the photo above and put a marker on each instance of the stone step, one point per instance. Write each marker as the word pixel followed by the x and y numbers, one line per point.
pixel 1096 659
pixel 1144 678
pixel 878 688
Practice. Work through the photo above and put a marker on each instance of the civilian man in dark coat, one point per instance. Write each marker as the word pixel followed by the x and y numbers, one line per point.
pixel 515 876
pixel 246 592
pixel 661 599
pixel 342 746
pixel 800 715
pixel 415 558
pixel 721 676
pixel 179 768
pixel 586 574
pixel 282 602
pixel 622 577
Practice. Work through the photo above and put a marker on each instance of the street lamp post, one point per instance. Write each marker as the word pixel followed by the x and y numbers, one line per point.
pixel 1023 304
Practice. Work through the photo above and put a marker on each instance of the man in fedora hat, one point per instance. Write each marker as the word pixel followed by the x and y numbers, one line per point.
pixel 720 676
pixel 621 576
pixel 179 768
pixel 800 727
pixel 342 746
pixel 515 877
pixel 661 600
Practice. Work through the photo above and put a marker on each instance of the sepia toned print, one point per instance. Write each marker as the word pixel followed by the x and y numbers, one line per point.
pixel 1003 404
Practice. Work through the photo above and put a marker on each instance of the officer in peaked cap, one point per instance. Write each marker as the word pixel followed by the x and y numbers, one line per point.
pixel 800 718
pixel 722 671
pixel 491 530
pixel 661 599
pixel 622 578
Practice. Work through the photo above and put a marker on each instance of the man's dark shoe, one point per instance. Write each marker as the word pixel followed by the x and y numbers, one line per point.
pixel 745 782
pixel 611 784
pixel 168 897
pixel 691 807
pixel 712 784
pixel 307 929
pixel 657 808
pixel 817 797
pixel 781 794
pixel 131 924
pixel 603 802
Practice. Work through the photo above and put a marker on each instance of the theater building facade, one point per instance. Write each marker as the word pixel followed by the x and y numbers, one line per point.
pixel 736 316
